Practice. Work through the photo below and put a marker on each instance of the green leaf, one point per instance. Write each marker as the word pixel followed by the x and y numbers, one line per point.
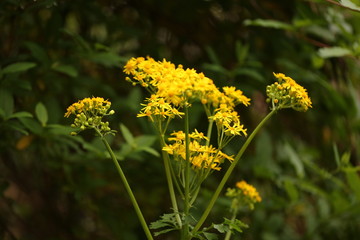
pixel 241 52
pixel 167 221
pixel 18 67
pixel 330 52
pixel 249 72
pixel 222 228
pixel 294 160
pixel 32 125
pixel 37 52
pixel 107 59
pixel 236 224
pixel 59 129
pixel 151 151
pixel 268 23
pixel 216 68
pixel 41 113
pixel 129 138
pixel 20 115
pixel 291 190
pixel 353 180
pixel 65 69
pixel 145 140
pixel 6 103
pixel 210 236
pixel 212 55
pixel 350 4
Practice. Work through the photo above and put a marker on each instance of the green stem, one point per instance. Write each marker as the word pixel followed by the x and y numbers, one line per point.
pixel 208 135
pixel 169 181
pixel 229 171
pixel 228 234
pixel 128 189
pixel 187 174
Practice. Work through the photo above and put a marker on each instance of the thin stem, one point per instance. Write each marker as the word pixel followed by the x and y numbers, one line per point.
pixel 128 189
pixel 167 167
pixel 209 131
pixel 228 234
pixel 187 173
pixel 229 171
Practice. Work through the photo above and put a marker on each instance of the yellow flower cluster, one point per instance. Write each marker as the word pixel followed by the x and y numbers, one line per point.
pixel 201 156
pixel 243 194
pixel 94 104
pixel 286 93
pixel 249 191
pixel 158 107
pixel 173 87
pixel 89 113
pixel 228 120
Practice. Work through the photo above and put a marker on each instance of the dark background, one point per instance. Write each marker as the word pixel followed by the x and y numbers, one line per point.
pixel 305 165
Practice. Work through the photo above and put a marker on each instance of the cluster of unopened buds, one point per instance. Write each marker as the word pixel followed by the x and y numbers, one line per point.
pixel 89 114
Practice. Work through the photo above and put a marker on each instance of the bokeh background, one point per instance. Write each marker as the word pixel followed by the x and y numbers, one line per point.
pixel 53 52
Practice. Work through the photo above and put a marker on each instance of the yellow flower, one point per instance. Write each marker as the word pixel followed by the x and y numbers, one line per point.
pixel 158 107
pixel 228 120
pixel 178 85
pixel 243 194
pixel 286 93
pixel 249 191
pixel 94 104
pixel 89 113
pixel 201 156
pixel 236 95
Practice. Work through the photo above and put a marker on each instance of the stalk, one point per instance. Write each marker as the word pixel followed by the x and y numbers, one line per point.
pixel 128 189
pixel 228 234
pixel 185 234
pixel 169 181
pixel 229 171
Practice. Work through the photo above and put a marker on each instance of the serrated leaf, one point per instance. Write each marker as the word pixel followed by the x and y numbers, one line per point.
pixel 66 69
pixel 210 236
pixel 129 138
pixel 268 23
pixel 41 113
pixel 18 67
pixel 167 221
pixel 236 225
pixel 330 52
pixel 163 231
pixel 222 228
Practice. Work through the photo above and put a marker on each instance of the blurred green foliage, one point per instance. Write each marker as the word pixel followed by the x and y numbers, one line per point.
pixel 54 52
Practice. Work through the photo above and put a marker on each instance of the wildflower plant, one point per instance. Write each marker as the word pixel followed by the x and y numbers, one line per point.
pixel 190 156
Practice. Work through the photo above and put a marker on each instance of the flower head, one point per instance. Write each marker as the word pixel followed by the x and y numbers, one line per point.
pixel 286 93
pixel 89 113
pixel 243 194
pixel 201 156
pixel 228 120
pixel 157 107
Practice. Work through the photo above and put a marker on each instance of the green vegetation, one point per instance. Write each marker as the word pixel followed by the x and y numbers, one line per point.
pixel 305 166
